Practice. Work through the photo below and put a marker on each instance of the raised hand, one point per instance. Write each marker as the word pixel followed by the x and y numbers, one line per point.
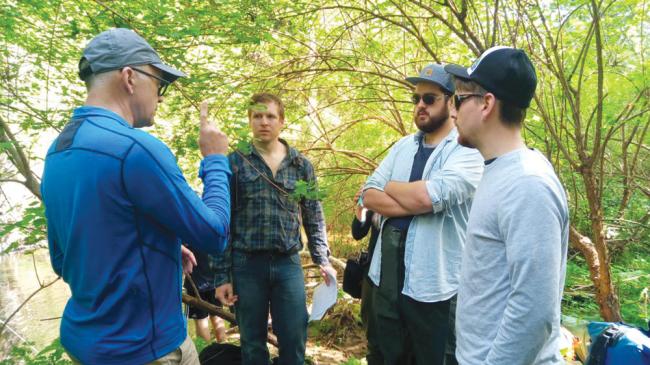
pixel 211 139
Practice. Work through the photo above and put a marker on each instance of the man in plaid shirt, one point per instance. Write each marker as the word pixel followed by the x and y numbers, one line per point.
pixel 261 267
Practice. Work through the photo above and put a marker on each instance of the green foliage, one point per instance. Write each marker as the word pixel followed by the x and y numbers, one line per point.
pixel 319 328
pixel 52 354
pixel 308 190
pixel 632 276
pixel 340 69
pixel 200 343
pixel 578 298
pixel 342 323
pixel 259 107
pixel 6 145
pixel 244 146
pixel 32 226
pixel 353 361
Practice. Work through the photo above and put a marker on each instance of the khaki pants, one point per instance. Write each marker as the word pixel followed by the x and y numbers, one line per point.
pixel 184 355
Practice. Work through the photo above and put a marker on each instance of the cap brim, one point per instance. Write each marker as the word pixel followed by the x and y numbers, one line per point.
pixel 416 80
pixel 170 73
pixel 457 71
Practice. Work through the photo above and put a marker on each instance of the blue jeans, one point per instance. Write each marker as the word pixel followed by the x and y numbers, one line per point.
pixel 263 280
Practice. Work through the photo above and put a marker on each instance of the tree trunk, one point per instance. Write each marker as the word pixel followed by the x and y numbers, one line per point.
pixel 597 254
pixel 19 159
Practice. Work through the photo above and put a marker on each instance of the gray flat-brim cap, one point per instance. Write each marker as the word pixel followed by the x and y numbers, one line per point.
pixel 436 74
pixel 120 47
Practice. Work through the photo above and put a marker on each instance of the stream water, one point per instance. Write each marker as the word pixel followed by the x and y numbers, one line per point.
pixel 37 321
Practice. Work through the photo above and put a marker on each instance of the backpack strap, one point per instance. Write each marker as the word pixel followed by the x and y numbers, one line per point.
pixel 608 338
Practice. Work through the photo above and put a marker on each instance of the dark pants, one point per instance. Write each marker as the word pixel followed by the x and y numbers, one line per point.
pixel 404 324
pixel 374 354
pixel 263 280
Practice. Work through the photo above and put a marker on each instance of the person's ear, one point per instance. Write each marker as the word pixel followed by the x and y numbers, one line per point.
pixel 453 113
pixel 127 79
pixel 489 105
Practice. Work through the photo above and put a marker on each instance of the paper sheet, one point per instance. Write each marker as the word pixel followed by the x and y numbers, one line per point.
pixel 324 297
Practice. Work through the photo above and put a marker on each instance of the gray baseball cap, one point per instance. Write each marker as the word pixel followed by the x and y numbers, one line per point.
pixel 120 47
pixel 436 74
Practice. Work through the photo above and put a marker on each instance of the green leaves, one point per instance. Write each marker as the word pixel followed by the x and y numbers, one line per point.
pixel 340 69
pixel 244 146
pixel 31 227
pixel 259 107
pixel 307 190
pixel 54 353
pixel 6 145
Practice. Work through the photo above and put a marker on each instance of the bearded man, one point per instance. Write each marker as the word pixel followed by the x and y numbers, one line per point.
pixel 423 189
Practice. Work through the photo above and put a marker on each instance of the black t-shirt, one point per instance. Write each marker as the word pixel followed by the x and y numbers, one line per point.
pixel 419 161
pixel 202 276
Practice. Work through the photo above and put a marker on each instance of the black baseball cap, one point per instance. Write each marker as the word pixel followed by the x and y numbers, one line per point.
pixel 120 47
pixel 505 72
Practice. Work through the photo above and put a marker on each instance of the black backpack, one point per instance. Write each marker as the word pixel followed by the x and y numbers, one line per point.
pixel 223 354
pixel 354 274
pixel 220 354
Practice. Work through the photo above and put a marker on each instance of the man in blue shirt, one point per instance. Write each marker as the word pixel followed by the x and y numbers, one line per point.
pixel 424 187
pixel 118 207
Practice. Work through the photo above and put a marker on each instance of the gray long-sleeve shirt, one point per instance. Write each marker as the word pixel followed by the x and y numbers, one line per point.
pixel 514 265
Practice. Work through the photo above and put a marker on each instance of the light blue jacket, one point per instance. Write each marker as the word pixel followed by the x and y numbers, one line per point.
pixel 435 240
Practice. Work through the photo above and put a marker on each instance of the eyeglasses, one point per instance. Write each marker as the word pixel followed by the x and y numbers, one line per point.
pixel 428 99
pixel 163 84
pixel 459 99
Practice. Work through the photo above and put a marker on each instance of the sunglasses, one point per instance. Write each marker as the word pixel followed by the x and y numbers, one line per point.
pixel 459 99
pixel 162 83
pixel 428 99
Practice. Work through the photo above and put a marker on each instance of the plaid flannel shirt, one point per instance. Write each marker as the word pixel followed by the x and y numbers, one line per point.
pixel 265 217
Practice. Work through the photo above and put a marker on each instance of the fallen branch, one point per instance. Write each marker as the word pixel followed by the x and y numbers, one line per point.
pixel 219 312
pixel 338 264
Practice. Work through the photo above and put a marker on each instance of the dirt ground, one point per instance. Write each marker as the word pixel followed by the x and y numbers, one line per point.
pixel 338 338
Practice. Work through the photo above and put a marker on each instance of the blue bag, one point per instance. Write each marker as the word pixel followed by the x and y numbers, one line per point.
pixel 618 344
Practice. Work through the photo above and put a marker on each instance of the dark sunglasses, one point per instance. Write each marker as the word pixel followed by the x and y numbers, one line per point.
pixel 459 99
pixel 162 85
pixel 428 99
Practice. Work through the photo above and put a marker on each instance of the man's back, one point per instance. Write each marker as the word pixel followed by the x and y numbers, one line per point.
pixel 116 204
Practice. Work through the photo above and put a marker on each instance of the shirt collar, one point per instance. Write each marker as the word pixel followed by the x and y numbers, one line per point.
pixel 94 111
pixel 452 135
pixel 292 153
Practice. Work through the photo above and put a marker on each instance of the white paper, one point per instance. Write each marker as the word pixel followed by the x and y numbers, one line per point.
pixel 324 297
